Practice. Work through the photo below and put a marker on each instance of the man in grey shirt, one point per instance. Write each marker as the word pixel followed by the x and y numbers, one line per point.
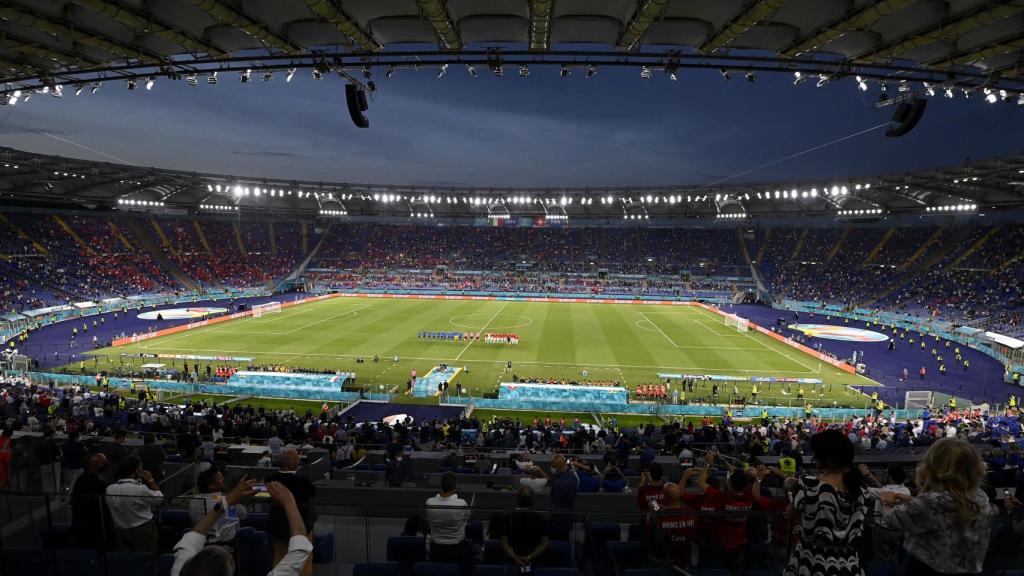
pixel 447 515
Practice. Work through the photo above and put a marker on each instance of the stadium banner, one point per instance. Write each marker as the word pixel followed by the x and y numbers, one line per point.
pixel 806 350
pixel 770 379
pixel 563 392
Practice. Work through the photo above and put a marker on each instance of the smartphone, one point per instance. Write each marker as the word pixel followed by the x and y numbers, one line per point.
pixel 526 569
pixel 259 487
pixel 1006 492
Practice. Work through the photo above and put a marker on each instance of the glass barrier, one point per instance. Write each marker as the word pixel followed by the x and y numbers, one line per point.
pixel 479 538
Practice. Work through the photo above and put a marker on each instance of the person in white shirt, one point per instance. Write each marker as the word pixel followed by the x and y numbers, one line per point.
pixel 131 501
pixel 210 488
pixel 536 479
pixel 192 557
pixel 447 515
pixel 275 444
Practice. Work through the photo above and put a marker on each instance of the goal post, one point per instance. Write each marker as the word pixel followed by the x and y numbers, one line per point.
pixel 739 324
pixel 259 310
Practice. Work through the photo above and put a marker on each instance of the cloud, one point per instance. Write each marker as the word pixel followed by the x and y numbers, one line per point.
pixel 265 153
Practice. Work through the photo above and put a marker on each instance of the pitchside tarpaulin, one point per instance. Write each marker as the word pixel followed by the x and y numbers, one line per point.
pixel 563 392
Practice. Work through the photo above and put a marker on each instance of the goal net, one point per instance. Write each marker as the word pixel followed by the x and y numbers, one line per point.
pixel 734 321
pixel 267 308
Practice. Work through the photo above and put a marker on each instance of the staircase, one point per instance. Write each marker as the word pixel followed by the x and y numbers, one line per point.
pixel 799 246
pixel 238 237
pixel 924 248
pixel 309 257
pixel 878 247
pixel 839 244
pixel 120 236
pixel 74 235
pixel 161 235
pixel 202 237
pixel 929 264
pixel 974 247
pixel 273 241
pixel 21 234
pixel 150 246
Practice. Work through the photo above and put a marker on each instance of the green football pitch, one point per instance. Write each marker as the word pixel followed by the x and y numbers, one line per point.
pixel 628 343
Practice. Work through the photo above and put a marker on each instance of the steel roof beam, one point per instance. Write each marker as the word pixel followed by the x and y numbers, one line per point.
pixel 758 12
pixel 139 24
pixel 646 14
pixel 950 30
pixel 437 14
pixel 540 24
pixel 853 22
pixel 32 49
pixel 29 20
pixel 343 24
pixel 231 17
pixel 990 51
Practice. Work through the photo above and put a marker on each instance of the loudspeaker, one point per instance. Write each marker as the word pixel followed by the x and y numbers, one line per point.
pixel 906 117
pixel 356 99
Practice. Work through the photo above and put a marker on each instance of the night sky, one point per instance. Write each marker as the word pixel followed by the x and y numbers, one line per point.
pixel 611 130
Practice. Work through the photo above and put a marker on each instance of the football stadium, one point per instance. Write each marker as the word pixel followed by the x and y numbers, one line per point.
pixel 551 287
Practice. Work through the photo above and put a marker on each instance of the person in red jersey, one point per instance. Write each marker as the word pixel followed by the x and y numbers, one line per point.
pixel 651 491
pixel 734 502
pixel 675 528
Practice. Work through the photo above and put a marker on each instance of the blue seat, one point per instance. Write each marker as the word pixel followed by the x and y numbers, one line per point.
pixel 255 553
pixel 118 563
pixel 475 531
pixel 558 554
pixel 18 561
pixel 435 569
pixel 76 563
pixel 626 555
pixel 323 548
pixel 636 533
pixel 604 532
pixel 495 570
pixel 407 551
pixel 257 520
pixel 175 518
pixel 713 572
pixel 650 572
pixel 164 564
pixel 493 553
pixel 57 536
pixel 545 571
pixel 376 569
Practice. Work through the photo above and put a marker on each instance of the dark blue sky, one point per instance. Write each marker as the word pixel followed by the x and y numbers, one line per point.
pixel 614 129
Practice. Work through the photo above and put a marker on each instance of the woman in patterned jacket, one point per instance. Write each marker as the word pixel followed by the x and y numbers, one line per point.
pixel 946 529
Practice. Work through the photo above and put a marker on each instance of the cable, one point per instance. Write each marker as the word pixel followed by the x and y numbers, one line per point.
pixel 791 156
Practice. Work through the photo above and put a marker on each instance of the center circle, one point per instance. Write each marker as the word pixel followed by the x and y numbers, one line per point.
pixel 496 323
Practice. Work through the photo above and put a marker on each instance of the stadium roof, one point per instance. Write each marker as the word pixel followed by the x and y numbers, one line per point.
pixel 962 43
pixel 28 178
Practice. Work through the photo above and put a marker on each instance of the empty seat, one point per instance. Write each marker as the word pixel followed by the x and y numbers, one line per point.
pixel 76 563
pixel 125 563
pixel 255 553
pixel 323 548
pixel 376 569
pixel 17 561
pixel 495 570
pixel 604 532
pixel 435 569
pixel 164 564
pixel 175 518
pixel 626 555
pixel 558 554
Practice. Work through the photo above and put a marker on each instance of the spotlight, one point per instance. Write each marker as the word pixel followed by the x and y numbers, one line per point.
pixel 291 72
pixel 750 76
pixel 192 80
pixel 861 84
pixel 317 75
pixel 471 69
pixel 990 96
pixel 95 87
pixel 245 76
pixel 524 70
pixel 149 82
pixel 564 71
pixel 949 92
pixel 928 89
pixel 212 78
pixel 591 70
pixel 822 80
pixel 366 71
pixel 78 89
pixel 1020 99
pixel 645 72
pixel 725 74
pixel 131 84
pixel 442 70
pixel 390 72
pixel 799 78
pixel 268 75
